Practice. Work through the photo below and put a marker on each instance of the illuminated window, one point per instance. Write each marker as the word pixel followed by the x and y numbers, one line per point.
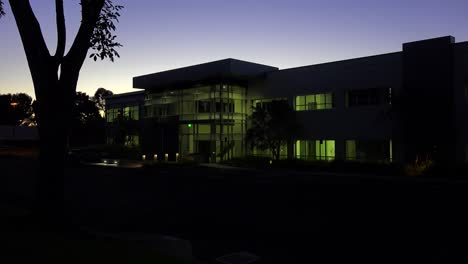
pixel 131 112
pixel 112 114
pixel 373 96
pixel 315 149
pixel 314 102
pixel 132 140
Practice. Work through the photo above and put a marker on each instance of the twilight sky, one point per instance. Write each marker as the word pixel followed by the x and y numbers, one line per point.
pixel 162 35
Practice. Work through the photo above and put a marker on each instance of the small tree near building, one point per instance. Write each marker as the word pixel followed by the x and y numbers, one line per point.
pixel 272 126
pixel 99 98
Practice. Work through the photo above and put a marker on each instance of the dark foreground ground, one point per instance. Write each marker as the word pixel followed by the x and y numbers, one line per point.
pixel 281 216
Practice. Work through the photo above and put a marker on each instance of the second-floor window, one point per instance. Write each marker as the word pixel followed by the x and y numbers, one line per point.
pixel 112 114
pixel 266 104
pixel 373 96
pixel 131 113
pixel 314 102
pixel 227 106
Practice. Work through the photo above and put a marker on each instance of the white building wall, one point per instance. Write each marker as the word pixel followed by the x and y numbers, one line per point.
pixel 342 122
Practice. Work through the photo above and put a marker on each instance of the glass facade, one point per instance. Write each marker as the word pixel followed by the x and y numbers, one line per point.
pixel 314 102
pixel 315 149
pixel 112 114
pixel 131 112
pixel 132 140
pixel 267 153
pixel 128 112
pixel 212 118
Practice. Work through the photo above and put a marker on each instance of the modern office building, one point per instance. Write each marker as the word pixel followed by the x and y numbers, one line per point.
pixel 123 116
pixel 391 107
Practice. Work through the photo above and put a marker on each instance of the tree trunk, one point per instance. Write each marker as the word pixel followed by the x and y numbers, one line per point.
pixel 53 113
pixel 276 153
pixel 54 95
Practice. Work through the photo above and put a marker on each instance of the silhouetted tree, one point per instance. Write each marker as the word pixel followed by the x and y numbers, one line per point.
pixel 55 78
pixel 15 108
pixel 99 96
pixel 88 126
pixel 272 126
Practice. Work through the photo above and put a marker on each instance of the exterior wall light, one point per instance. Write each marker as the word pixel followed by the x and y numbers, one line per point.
pixel 166 157
pixel 177 156
pixel 155 156
pixel 143 157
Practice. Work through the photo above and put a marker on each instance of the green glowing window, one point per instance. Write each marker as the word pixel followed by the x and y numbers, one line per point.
pixel 314 102
pixel 131 113
pixel 112 114
pixel 315 149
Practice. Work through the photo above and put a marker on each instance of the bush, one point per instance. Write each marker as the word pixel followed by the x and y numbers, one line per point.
pixel 337 166
pixel 110 151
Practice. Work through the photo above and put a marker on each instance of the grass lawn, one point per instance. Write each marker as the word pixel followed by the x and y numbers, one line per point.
pixel 282 216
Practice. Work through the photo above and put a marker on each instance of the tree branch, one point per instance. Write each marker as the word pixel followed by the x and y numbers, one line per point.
pixel 31 37
pixel 2 11
pixel 90 11
pixel 61 30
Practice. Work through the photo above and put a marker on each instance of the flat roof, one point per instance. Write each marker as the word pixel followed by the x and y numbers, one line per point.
pixel 222 70
pixel 125 98
pixel 137 93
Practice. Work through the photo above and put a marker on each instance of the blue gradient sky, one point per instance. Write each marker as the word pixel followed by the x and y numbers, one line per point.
pixel 162 35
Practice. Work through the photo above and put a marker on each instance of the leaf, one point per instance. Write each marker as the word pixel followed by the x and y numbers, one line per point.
pixel 104 39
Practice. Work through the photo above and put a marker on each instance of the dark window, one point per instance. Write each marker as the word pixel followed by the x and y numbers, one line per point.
pixel 266 104
pixel 203 106
pixel 374 96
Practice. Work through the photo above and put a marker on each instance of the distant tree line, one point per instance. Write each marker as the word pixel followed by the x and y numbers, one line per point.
pixel 87 120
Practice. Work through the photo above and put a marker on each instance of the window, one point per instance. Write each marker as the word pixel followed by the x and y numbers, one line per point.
pixel 373 96
pixel 226 107
pixel 204 106
pixel 265 103
pixel 131 113
pixel 112 114
pixel 369 150
pixel 315 149
pixel 314 102
pixel 132 140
